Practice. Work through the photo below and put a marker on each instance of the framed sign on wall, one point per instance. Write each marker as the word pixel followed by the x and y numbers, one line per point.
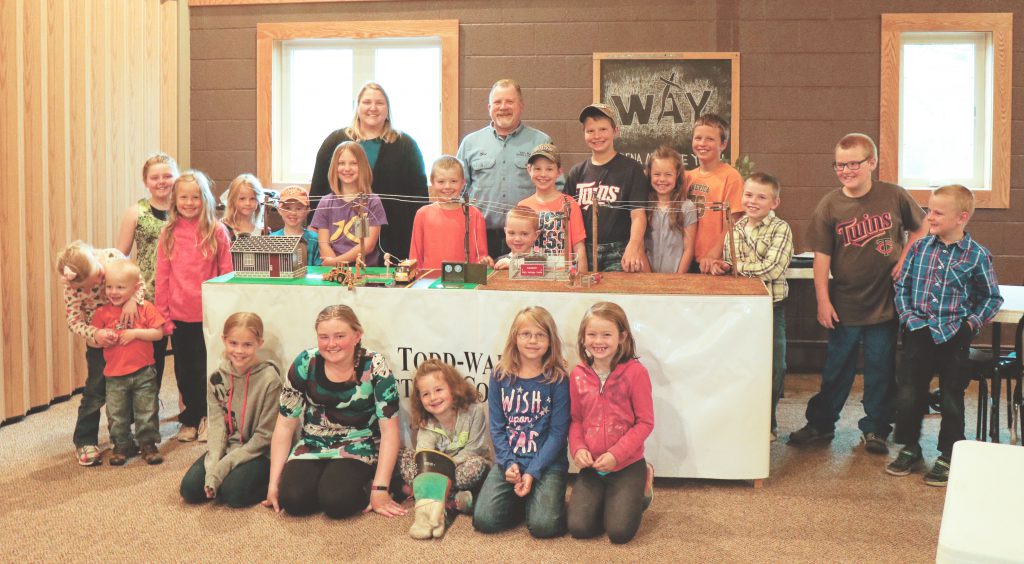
pixel 659 95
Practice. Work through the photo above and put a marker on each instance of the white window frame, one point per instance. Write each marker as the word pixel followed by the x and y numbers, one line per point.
pixel 992 183
pixel 269 95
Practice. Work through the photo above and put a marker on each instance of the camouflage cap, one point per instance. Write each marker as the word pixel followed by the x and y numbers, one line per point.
pixel 548 151
pixel 598 109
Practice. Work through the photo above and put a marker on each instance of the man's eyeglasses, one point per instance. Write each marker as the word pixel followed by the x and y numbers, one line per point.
pixel 852 165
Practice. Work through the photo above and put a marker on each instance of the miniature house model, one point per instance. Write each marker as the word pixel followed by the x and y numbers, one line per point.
pixel 269 257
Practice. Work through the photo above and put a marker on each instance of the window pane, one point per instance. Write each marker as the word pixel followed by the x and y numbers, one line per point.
pixel 412 78
pixel 318 100
pixel 937 123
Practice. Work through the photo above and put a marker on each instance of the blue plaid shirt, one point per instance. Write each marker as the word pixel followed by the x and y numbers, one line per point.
pixel 942 286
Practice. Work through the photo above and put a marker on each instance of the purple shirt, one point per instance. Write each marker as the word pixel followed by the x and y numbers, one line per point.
pixel 340 220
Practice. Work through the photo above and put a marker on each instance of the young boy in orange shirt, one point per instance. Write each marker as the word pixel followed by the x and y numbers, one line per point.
pixel 130 375
pixel 439 230
pixel 712 181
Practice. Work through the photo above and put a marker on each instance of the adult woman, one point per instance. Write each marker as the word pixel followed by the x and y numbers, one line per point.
pixel 394 157
pixel 346 400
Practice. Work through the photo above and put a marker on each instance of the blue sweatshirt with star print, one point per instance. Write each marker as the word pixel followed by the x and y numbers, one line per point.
pixel 529 421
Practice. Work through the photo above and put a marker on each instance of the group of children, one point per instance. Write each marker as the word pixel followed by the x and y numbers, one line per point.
pixel 936 286
pixel 503 464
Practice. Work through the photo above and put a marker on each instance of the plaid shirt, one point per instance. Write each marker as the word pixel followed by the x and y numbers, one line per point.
pixel 942 286
pixel 763 250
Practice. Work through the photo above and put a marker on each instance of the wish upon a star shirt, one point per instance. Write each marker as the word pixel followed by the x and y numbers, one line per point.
pixel 340 220
pixel 529 423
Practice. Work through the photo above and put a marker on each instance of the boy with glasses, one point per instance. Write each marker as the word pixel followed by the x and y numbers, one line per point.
pixel 857 232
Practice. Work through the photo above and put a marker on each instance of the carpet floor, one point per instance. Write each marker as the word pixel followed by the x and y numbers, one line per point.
pixel 828 503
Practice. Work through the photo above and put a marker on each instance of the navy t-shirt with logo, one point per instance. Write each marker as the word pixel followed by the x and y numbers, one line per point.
pixel 865 238
pixel 620 185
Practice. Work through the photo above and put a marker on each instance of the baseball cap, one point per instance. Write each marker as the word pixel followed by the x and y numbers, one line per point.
pixel 294 194
pixel 595 109
pixel 546 150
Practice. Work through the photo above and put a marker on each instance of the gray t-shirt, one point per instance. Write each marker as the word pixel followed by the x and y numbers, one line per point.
pixel 663 241
pixel 865 238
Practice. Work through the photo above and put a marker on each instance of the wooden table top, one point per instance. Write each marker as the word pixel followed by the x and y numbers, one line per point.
pixel 626 283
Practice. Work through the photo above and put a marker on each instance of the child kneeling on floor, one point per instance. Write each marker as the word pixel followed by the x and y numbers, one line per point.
pixel 132 389
pixel 612 415
pixel 242 398
pixel 451 426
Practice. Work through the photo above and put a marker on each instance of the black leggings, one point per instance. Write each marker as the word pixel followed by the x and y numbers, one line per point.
pixel 612 503
pixel 339 487
pixel 190 370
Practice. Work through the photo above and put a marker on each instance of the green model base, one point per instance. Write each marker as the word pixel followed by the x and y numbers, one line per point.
pixel 314 277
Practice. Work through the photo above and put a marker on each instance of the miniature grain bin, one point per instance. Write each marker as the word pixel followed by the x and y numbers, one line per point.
pixel 269 257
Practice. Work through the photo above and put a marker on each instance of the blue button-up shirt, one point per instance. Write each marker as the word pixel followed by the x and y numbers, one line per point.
pixel 942 286
pixel 496 169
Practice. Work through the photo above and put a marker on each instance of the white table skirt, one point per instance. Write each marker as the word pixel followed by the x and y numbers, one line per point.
pixel 709 356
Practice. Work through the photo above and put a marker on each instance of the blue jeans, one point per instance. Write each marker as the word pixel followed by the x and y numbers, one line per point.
pixel 778 356
pixel 498 508
pixel 133 397
pixel 879 343
pixel 87 427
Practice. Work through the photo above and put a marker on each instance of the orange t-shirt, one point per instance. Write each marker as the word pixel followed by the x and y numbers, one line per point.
pixel 722 185
pixel 552 223
pixel 123 360
pixel 439 235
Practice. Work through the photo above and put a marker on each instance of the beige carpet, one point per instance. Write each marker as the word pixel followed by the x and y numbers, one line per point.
pixel 830 503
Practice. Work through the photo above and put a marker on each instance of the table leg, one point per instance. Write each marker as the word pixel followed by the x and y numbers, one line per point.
pixel 997 386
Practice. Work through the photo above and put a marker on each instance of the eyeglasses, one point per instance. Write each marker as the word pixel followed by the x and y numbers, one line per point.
pixel 528 336
pixel 851 166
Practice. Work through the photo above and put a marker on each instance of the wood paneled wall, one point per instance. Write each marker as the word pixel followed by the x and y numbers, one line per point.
pixel 88 88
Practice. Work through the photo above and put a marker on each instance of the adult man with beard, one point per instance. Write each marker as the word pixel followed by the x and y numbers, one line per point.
pixel 495 159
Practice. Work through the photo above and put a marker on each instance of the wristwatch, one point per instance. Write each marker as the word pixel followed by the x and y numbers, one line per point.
pixel 378 488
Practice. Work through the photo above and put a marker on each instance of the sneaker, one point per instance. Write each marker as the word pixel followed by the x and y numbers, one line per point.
pixel 151 454
pixel 202 430
pixel 810 434
pixel 649 486
pixel 939 474
pixel 874 444
pixel 120 455
pixel 187 434
pixel 905 462
pixel 88 455
pixel 464 502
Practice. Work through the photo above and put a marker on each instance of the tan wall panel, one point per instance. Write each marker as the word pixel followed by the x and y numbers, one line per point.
pixel 117 118
pixel 9 163
pixel 168 80
pixel 79 144
pixel 32 201
pixel 99 129
pixel 81 95
pixel 58 195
